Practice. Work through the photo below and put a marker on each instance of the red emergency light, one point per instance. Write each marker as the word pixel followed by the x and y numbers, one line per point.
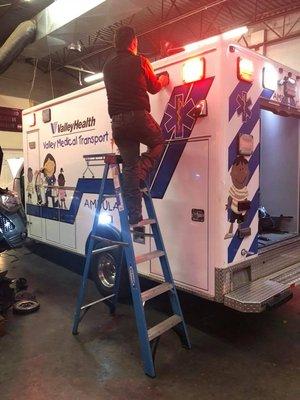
pixel 245 69
pixel 193 69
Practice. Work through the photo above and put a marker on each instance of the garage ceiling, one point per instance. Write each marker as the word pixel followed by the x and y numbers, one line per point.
pixel 175 21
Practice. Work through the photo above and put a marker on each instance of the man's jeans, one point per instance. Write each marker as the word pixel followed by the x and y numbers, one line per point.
pixel 129 131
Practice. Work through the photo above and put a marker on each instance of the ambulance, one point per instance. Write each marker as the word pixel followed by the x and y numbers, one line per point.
pixel 226 189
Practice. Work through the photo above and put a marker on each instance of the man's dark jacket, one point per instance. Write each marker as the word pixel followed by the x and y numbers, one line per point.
pixel 128 78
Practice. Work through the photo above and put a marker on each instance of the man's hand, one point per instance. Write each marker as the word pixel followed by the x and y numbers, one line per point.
pixel 164 80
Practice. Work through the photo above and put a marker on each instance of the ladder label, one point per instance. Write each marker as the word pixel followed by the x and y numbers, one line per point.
pixel 115 174
pixel 131 276
pixel 119 200
pixel 117 185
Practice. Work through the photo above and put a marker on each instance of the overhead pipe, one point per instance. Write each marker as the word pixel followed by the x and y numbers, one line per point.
pixel 16 42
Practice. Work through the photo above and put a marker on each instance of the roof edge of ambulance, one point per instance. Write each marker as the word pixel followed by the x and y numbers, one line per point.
pixel 164 62
pixel 262 57
pixel 61 99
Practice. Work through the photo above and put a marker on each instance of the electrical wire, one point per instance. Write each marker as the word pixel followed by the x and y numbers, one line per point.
pixel 33 79
pixel 51 79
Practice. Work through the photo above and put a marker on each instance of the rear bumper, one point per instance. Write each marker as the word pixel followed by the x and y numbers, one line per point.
pixel 264 293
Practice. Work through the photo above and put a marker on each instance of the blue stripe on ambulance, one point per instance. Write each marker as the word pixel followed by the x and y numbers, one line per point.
pixel 189 95
pixel 247 128
pixel 236 241
pixel 254 246
pixel 238 90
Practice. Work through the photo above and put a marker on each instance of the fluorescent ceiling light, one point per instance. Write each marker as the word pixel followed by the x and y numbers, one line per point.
pixel 235 33
pixel 94 77
pixel 63 11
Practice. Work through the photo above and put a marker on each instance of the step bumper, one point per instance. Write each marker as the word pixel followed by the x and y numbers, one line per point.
pixel 264 293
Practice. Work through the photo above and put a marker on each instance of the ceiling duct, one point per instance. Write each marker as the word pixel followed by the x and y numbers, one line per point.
pixel 16 42
pixel 65 22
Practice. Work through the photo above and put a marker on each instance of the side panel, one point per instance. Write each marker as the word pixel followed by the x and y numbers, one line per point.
pixel 52 231
pixel 186 199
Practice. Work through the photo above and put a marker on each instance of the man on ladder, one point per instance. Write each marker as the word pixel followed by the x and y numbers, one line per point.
pixel 128 77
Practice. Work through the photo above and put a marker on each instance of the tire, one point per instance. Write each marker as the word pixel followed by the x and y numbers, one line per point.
pixel 26 306
pixel 103 272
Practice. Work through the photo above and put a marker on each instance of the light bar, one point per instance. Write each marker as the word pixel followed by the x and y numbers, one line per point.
pixel 235 33
pixel 193 69
pixel 270 77
pixel 245 69
pixel 94 77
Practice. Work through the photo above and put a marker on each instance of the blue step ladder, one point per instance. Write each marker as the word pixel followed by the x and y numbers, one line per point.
pixel 148 338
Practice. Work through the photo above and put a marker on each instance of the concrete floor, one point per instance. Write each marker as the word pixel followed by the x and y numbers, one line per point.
pixel 234 356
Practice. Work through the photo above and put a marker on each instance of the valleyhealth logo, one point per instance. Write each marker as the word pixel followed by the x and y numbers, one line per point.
pixel 72 127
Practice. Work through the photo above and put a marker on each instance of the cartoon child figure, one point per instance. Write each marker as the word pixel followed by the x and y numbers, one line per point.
pixel 38 186
pixel 238 193
pixel 49 169
pixel 62 194
pixel 29 188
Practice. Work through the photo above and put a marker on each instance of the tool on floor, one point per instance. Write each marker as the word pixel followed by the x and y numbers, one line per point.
pixel 148 338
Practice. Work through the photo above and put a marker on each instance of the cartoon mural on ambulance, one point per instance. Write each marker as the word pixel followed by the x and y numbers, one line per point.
pixel 62 194
pixel 238 203
pixel 39 188
pixel 49 169
pixel 29 187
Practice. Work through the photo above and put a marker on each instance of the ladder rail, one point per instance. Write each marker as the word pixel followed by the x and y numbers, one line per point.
pixel 136 294
pixel 173 295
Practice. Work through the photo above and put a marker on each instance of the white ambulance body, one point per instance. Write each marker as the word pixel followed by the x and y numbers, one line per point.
pixel 206 187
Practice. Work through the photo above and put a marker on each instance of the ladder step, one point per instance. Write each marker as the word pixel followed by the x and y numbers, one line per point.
pixel 141 233
pixel 149 256
pixel 97 301
pixel 144 222
pixel 164 326
pixel 104 249
pixel 156 291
